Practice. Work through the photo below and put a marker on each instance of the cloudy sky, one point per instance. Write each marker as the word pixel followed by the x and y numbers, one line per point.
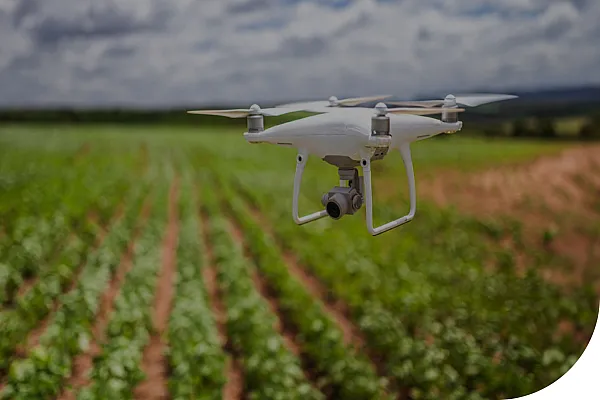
pixel 184 52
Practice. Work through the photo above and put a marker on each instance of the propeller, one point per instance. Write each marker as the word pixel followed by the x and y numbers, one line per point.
pixel 253 110
pixel 382 109
pixel 470 100
pixel 422 111
pixel 335 102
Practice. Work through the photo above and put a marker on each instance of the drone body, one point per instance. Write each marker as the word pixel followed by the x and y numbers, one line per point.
pixel 349 133
pixel 352 137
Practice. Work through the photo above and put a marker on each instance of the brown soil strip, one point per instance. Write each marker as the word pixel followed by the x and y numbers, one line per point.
pixel 288 337
pixel 280 324
pixel 83 151
pixel 154 363
pixel 337 310
pixel 552 192
pixel 234 386
pixel 83 363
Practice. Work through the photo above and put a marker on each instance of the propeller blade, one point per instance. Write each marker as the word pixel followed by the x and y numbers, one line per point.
pixel 469 100
pixel 238 113
pixel 241 113
pixel 354 101
pixel 423 111
pixel 306 104
pixel 275 112
pixel 474 100
pixel 424 103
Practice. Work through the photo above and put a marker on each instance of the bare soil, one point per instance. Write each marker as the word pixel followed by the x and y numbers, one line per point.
pixel 559 194
pixel 154 363
pixel 83 363
pixel 280 324
pixel 336 309
pixel 233 389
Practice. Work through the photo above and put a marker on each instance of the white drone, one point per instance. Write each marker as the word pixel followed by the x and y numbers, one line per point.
pixel 347 137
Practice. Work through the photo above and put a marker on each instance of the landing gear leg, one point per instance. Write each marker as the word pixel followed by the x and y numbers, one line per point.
pixel 408 165
pixel 301 160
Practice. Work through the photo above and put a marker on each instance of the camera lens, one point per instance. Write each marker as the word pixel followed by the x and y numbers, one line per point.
pixel 338 206
pixel 333 209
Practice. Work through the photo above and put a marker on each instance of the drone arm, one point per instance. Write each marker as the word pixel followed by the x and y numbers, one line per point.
pixel 408 165
pixel 301 163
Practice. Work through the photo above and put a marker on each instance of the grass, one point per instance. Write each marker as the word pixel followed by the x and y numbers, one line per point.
pixel 570 126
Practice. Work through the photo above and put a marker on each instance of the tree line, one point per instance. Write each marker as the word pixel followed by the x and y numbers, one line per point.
pixel 502 122
pixel 545 127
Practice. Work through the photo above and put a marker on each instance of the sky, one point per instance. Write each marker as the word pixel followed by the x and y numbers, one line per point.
pixel 156 53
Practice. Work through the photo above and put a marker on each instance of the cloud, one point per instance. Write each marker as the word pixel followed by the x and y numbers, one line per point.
pixel 185 52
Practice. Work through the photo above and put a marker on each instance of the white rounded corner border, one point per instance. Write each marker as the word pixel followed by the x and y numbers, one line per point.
pixel 582 381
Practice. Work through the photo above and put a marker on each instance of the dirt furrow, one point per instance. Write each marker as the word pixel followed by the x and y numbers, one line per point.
pixel 83 363
pixel 233 389
pixel 336 309
pixel 281 325
pixel 288 337
pixel 154 362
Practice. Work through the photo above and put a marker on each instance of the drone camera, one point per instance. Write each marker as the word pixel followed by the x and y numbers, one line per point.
pixel 348 200
pixel 342 201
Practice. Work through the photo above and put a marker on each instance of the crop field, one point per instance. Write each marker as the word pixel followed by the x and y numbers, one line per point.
pixel 155 262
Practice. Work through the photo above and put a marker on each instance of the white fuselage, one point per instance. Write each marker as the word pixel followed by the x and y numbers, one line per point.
pixel 348 132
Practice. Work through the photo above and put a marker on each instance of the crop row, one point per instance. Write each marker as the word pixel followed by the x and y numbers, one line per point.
pixel 32 246
pixel 47 178
pixel 196 359
pixel 43 202
pixel 271 369
pixel 42 373
pixel 345 374
pixel 38 301
pixel 117 370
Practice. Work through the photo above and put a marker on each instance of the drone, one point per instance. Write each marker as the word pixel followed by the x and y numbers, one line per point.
pixel 347 136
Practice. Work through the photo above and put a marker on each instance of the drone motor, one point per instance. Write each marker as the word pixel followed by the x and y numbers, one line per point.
pixel 449 116
pixel 380 132
pixel 255 119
